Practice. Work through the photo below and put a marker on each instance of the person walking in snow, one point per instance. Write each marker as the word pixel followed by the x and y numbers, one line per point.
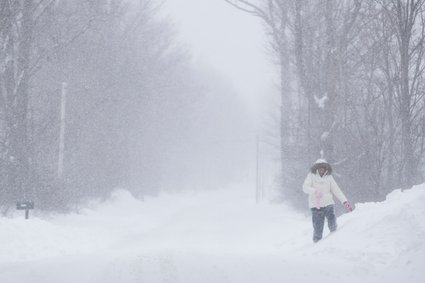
pixel 320 186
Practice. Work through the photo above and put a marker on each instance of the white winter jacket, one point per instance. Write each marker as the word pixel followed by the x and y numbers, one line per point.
pixel 326 185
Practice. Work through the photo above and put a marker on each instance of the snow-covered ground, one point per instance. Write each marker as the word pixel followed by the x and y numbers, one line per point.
pixel 217 236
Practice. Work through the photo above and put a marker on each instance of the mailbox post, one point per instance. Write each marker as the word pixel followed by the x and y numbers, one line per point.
pixel 25 205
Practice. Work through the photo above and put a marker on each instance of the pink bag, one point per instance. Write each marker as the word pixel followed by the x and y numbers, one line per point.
pixel 318 196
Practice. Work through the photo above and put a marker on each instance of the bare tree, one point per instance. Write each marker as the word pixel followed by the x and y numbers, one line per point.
pixel 407 20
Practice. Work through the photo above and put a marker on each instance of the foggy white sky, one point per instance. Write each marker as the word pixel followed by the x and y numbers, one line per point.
pixel 233 44
pixel 230 41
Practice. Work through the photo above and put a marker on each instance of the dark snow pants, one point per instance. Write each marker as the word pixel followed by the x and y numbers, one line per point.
pixel 318 216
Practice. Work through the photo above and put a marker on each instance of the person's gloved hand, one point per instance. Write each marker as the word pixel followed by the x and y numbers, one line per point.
pixel 347 206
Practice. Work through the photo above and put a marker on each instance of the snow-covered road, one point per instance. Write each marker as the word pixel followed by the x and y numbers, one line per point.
pixel 217 236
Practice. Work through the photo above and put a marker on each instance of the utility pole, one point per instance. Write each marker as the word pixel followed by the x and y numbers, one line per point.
pixel 62 130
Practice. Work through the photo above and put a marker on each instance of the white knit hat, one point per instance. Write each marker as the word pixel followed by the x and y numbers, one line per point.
pixel 320 160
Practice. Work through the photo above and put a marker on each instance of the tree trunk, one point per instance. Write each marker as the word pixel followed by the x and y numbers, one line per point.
pixel 284 90
pixel 18 76
pixel 406 21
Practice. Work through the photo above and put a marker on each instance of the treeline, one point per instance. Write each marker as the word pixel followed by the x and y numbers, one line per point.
pixel 114 73
pixel 352 90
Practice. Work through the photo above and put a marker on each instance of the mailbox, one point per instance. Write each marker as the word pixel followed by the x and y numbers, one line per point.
pixel 25 205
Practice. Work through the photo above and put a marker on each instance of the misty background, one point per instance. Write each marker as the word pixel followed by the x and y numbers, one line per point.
pixel 156 96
